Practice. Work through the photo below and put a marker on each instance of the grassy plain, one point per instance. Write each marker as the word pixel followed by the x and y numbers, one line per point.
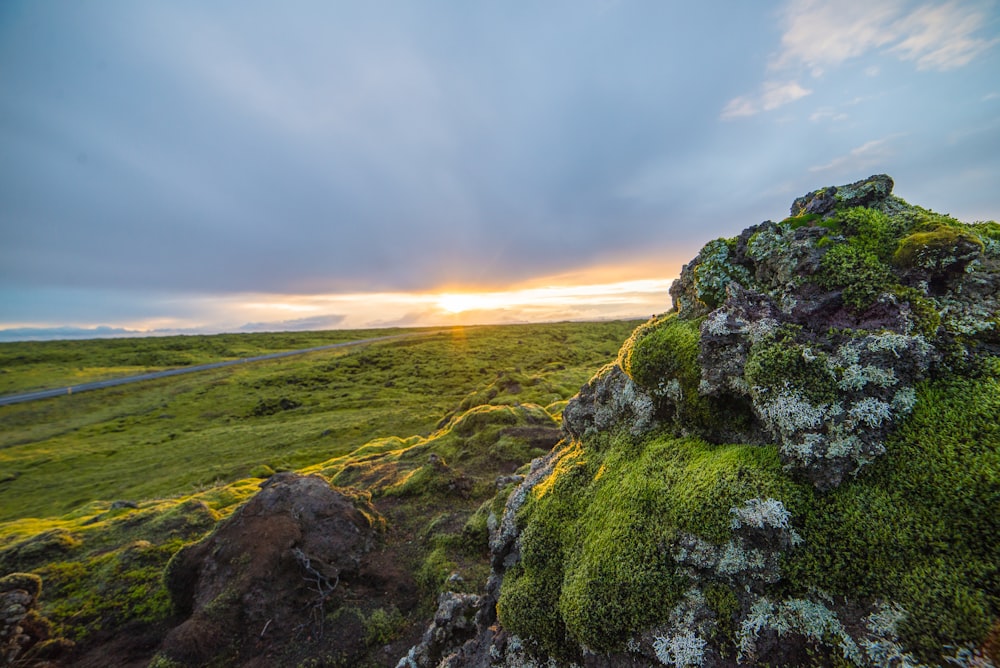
pixel 179 454
pixel 38 365
pixel 176 436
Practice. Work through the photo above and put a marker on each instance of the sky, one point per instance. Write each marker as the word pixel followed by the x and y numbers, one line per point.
pixel 191 166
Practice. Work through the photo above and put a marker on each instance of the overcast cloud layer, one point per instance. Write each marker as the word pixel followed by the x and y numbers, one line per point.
pixel 160 155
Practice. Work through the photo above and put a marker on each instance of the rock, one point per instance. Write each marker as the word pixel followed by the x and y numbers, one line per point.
pixel 868 192
pixel 270 569
pixel 24 633
pixel 609 398
pixel 454 623
pixel 815 335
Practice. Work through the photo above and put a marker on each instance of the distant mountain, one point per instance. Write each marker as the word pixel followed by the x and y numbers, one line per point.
pixel 56 333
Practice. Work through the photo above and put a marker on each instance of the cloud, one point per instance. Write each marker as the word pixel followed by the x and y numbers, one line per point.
pixel 821 34
pixel 772 95
pixel 869 154
pixel 297 325
pixel 942 37
pixel 938 36
pixel 827 114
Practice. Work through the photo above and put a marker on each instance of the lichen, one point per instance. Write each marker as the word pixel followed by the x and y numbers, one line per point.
pixel 715 271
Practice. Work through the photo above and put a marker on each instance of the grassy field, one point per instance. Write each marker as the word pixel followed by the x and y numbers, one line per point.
pixel 37 365
pixel 184 452
pixel 176 436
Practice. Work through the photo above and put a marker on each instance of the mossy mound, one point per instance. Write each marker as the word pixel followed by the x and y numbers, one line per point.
pixel 800 465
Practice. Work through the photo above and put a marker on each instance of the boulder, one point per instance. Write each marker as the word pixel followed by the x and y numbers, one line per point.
pixel 270 570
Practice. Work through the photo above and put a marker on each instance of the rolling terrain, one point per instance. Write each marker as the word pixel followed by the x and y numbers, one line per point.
pixel 99 490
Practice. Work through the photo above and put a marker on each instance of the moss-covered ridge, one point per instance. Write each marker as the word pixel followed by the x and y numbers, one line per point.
pixel 800 465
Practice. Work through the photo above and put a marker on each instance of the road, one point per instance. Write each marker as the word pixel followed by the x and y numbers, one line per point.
pixel 112 382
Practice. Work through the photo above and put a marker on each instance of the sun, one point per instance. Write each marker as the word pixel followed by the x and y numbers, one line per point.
pixel 457 303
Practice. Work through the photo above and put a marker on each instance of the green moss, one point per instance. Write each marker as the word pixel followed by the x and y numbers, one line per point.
pixel 921 525
pixel 801 220
pixel 858 272
pixel 435 569
pixel 596 562
pixel 723 602
pixel 923 311
pixel 871 230
pixel 776 362
pixel 662 358
pixel 937 248
pixel 662 350
pixel 109 590
pixel 383 626
pixel 261 471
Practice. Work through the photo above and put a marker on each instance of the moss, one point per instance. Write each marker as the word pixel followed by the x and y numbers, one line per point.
pixel 383 626
pixel 435 569
pixel 924 313
pixel 871 230
pixel 109 590
pixel 662 350
pixel 596 562
pixel 857 271
pixel 776 363
pixel 662 358
pixel 938 248
pixel 801 220
pixel 921 525
pixel 723 602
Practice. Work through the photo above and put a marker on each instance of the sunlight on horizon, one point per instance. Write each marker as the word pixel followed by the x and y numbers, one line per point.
pixel 257 312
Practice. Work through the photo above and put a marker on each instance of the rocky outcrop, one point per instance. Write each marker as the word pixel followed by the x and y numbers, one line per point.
pixel 733 490
pixel 269 570
pixel 826 321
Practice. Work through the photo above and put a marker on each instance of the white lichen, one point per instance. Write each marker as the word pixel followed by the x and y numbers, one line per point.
pixel 904 400
pixel 760 513
pixel 871 411
pixel 796 615
pixel 790 412
pixel 680 650
pixel 856 377
pixel 735 559
pixel 717 323
pixel 759 330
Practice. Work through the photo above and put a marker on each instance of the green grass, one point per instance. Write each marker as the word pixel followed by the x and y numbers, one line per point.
pixel 188 450
pixel 38 365
pixel 178 435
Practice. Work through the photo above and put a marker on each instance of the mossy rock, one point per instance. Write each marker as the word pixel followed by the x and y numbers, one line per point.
pixel 28 582
pixel 943 249
pixel 662 351
pixel 596 546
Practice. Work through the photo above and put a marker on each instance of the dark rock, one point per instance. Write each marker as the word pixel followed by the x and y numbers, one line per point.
pixel 868 192
pixel 25 636
pixel 270 568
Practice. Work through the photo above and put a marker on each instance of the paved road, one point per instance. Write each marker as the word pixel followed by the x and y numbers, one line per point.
pixel 100 384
